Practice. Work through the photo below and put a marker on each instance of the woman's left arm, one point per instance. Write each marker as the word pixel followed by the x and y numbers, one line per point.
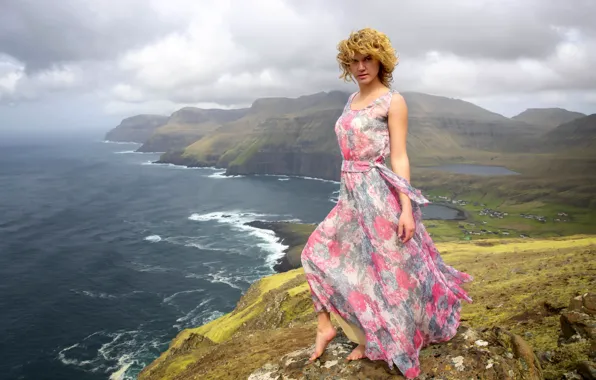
pixel 400 164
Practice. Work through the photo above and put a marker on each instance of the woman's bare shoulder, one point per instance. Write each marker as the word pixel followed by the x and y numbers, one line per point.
pixel 398 104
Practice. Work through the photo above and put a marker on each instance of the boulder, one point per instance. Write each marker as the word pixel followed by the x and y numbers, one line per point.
pixel 579 320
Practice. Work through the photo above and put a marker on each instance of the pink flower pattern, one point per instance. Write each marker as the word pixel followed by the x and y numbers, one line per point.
pixel 402 296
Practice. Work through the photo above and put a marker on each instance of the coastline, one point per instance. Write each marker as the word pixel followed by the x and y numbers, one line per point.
pixel 462 214
pixel 293 235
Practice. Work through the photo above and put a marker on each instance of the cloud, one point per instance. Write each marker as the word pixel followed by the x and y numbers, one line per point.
pixel 43 33
pixel 139 54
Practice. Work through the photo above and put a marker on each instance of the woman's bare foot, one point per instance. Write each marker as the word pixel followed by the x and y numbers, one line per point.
pixel 357 353
pixel 324 336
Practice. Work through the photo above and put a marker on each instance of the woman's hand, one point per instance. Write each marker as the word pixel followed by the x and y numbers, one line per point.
pixel 406 226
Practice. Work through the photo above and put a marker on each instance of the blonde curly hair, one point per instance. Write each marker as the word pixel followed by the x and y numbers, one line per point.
pixel 368 41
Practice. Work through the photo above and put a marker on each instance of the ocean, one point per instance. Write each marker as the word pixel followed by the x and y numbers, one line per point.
pixel 106 256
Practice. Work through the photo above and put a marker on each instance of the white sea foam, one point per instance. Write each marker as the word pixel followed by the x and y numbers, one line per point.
pixel 221 175
pixel 140 267
pixel 238 219
pixel 169 299
pixel 104 295
pixel 286 177
pixel 135 152
pixel 125 361
pixel 201 242
pixel 98 294
pixel 169 165
pixel 220 276
pixel 153 238
pixel 199 308
pixel 121 142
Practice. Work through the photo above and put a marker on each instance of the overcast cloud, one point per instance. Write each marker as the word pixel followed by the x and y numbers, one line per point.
pixel 154 56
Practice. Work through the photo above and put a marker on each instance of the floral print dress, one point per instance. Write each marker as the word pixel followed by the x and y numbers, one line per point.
pixel 402 296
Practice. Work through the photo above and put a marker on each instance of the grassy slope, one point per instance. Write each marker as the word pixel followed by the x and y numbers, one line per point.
pixel 520 284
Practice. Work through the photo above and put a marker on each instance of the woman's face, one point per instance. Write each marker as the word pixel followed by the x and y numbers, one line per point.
pixel 364 68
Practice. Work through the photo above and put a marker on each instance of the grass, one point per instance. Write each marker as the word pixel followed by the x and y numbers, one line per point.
pixel 519 284
pixel 224 327
pixel 580 220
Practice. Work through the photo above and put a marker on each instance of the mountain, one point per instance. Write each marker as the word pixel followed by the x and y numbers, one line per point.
pixel 136 128
pixel 277 127
pixel 577 135
pixel 547 118
pixel 296 136
pixel 186 126
pixel 440 125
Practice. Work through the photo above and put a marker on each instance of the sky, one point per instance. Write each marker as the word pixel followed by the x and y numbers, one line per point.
pixel 75 64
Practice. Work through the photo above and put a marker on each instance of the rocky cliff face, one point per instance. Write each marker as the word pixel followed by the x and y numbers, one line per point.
pixel 520 326
pixel 286 136
pixel 186 126
pixel 136 128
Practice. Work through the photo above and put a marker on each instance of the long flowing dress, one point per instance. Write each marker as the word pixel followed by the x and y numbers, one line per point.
pixel 402 296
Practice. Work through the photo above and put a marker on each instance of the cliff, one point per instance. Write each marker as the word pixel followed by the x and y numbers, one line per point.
pixel 186 126
pixel 136 128
pixel 530 319
pixel 269 121
pixel 296 136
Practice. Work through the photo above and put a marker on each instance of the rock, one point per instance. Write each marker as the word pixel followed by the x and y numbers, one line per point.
pixel 585 303
pixel 500 355
pixel 545 356
pixel 522 351
pixel 265 373
pixel 190 343
pixel 587 370
pixel 579 320
pixel 572 376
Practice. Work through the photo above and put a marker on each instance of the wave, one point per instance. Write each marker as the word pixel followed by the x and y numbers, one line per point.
pixel 221 175
pixel 170 298
pixel 287 177
pixel 169 165
pixel 140 267
pixel 153 238
pixel 103 295
pixel 237 219
pixel 199 312
pixel 135 152
pixel 121 142
pixel 222 277
pixel 117 352
pixel 334 197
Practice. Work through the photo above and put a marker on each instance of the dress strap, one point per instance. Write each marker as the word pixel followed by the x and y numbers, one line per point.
pixel 385 101
pixel 349 102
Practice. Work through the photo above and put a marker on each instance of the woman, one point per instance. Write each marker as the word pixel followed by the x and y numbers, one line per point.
pixel 371 261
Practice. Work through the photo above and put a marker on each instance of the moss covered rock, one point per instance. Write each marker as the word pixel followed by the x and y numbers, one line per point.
pixel 491 354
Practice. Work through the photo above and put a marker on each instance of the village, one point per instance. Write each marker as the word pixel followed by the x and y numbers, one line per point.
pixel 561 217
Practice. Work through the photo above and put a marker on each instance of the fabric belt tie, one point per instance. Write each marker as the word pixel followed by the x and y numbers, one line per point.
pixel 400 183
